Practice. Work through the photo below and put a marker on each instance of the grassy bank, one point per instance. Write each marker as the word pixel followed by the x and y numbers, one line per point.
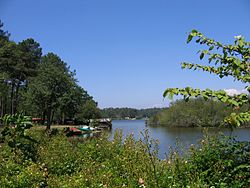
pixel 53 160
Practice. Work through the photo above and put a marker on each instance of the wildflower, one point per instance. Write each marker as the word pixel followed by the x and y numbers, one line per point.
pixel 141 181
pixel 236 108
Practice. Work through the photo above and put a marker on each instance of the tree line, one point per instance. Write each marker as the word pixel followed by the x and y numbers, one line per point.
pixel 197 112
pixel 123 113
pixel 40 85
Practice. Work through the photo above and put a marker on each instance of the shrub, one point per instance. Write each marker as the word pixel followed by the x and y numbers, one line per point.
pixel 100 162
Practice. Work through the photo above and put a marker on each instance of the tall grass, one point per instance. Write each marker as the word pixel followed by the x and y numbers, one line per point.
pixel 99 162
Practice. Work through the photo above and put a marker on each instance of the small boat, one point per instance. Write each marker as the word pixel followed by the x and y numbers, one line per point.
pixel 86 128
pixel 70 131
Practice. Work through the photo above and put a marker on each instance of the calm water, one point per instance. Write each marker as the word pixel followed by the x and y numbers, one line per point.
pixel 168 136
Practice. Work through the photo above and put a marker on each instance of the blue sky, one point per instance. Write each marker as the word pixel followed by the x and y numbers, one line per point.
pixel 126 52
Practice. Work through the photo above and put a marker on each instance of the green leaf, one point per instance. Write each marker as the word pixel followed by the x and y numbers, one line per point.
pixel 211 48
pixel 202 55
pixel 170 96
pixel 194 32
pixel 190 37
pixel 165 93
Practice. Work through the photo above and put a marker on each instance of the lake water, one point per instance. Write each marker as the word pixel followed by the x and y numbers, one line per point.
pixel 168 136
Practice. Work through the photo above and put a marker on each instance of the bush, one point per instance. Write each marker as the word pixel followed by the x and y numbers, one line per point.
pixel 194 113
pixel 99 162
pixel 223 163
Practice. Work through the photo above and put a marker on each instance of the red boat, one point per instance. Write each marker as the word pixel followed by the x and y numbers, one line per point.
pixel 70 131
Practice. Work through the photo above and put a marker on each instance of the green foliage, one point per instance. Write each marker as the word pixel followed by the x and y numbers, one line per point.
pixel 194 113
pixel 14 134
pixel 89 111
pixel 72 104
pixel 4 35
pixel 99 162
pixel 18 62
pixel 216 162
pixel 18 120
pixel 228 60
pixel 40 86
pixel 223 163
pixel 51 83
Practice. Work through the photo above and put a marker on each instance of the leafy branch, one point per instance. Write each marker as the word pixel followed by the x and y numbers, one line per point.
pixel 229 60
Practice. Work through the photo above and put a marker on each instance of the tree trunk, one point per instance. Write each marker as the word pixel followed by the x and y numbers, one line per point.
pixel 4 100
pixel 52 116
pixel 16 98
pixel 44 116
pixel 12 98
pixel 1 107
pixel 63 118
pixel 49 118
pixel 5 105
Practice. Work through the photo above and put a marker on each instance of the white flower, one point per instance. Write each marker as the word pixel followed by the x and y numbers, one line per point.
pixel 238 37
pixel 141 181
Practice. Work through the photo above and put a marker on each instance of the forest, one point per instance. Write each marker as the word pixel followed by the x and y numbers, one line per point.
pixel 129 113
pixel 40 85
pixel 197 112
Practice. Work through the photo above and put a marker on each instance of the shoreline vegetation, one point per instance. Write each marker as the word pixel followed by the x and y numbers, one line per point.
pixel 196 112
pixel 129 113
pixel 55 161
pixel 40 158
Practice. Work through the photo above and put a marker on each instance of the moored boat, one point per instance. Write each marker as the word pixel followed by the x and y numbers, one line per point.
pixel 86 128
pixel 70 131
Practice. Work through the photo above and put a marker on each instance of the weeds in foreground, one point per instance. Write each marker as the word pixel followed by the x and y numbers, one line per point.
pixel 99 162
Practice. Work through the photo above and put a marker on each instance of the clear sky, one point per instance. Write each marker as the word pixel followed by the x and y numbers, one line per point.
pixel 126 52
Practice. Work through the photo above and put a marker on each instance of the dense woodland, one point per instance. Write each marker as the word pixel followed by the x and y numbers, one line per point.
pixel 124 113
pixel 40 85
pixel 194 113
